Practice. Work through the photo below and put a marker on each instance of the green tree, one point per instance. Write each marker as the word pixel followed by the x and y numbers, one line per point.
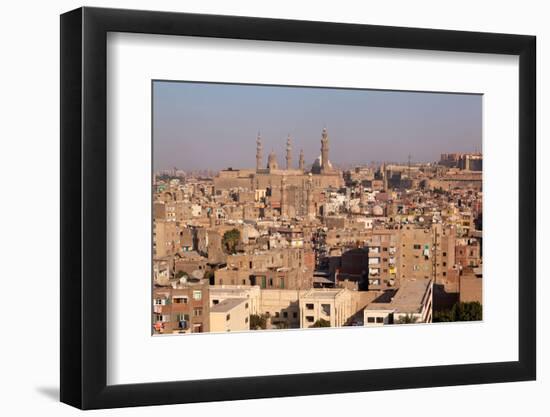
pixel 471 311
pixel 258 322
pixel 321 323
pixel 407 319
pixel 230 240
pixel 180 274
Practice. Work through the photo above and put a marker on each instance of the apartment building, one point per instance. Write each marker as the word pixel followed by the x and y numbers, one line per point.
pixel 411 303
pixel 183 309
pixel 331 304
pixel 230 315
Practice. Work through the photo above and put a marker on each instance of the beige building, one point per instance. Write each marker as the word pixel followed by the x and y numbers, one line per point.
pixel 281 307
pixel 219 293
pixel 331 304
pixel 415 253
pixel 230 315
pixel 166 238
pixel 411 303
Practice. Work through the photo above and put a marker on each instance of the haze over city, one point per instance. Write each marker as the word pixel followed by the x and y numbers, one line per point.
pixel 196 119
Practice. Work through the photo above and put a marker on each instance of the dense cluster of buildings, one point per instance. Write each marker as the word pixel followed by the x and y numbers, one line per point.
pixel 314 246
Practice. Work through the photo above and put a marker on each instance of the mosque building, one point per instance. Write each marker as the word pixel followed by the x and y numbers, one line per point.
pixel 291 191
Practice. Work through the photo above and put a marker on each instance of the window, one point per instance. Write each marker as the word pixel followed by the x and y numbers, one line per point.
pixel 179 300
pixel 271 282
pixel 281 283
pixel 215 302
pixel 294 315
pixel 309 306
pixel 197 295
pixel 326 309
pixel 228 317
pixel 444 253
pixel 416 246
pixel 285 314
pixel 310 319
pixel 246 319
pixel 370 319
pixel 246 305
pixel 159 301
pixel 380 319
pixel 182 317
pixel 197 312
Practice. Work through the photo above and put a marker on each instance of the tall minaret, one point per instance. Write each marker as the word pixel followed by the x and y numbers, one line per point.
pixel 288 153
pixel 324 150
pixel 258 152
pixel 301 160
pixel 385 176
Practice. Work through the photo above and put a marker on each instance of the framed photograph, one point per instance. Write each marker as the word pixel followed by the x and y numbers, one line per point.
pixel 259 208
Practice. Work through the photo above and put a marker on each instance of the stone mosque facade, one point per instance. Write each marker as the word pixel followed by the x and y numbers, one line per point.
pixel 290 191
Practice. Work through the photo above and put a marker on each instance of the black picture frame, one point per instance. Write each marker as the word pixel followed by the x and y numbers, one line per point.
pixel 84 207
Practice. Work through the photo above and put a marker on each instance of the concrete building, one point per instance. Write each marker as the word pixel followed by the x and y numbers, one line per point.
pixel 411 303
pixel 415 253
pixel 334 305
pixel 183 309
pixel 230 315
pixel 219 293
pixel 166 238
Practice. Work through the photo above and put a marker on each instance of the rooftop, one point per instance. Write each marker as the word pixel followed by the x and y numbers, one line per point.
pixel 324 293
pixel 227 305
pixel 408 298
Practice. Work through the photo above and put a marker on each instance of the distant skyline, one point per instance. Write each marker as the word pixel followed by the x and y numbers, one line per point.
pixel 199 126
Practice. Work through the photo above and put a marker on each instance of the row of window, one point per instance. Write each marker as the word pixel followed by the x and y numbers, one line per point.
pixel 197 295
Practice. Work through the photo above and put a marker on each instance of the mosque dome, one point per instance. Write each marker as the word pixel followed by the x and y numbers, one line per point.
pixel 317 164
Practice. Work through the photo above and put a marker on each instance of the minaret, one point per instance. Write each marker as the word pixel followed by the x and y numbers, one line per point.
pixel 301 160
pixel 324 150
pixel 385 176
pixel 258 152
pixel 283 197
pixel 288 153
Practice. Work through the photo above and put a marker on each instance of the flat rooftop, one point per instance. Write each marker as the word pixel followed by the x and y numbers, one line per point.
pixel 323 293
pixel 226 305
pixel 408 298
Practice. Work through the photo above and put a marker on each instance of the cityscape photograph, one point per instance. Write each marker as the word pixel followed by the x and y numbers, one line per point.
pixel 285 207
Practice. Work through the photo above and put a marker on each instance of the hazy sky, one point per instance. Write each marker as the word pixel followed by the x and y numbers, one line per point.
pixel 213 126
